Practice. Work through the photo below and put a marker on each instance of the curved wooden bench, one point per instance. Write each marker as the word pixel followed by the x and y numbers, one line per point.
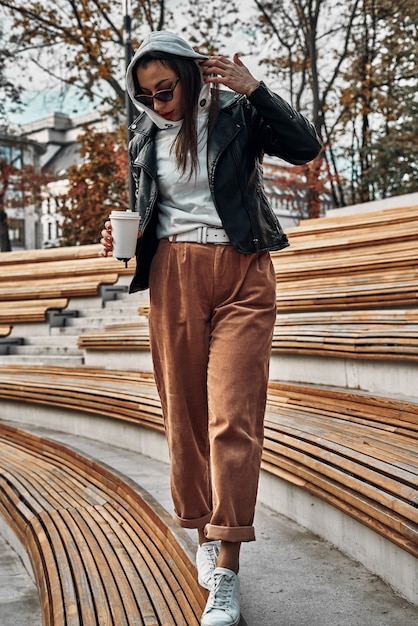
pixel 124 336
pixel 309 293
pixel 34 282
pixel 354 450
pixel 67 287
pixel 125 395
pixel 359 261
pixel 356 229
pixel 394 219
pixel 29 310
pixel 349 290
pixel 49 254
pixel 42 275
pixel 319 291
pixel 102 550
pixel 66 268
pixel 390 334
pixel 364 336
pixel 79 254
pixel 5 330
pixel 336 257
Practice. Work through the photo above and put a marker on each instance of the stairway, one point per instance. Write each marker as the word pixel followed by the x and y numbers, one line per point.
pixel 54 342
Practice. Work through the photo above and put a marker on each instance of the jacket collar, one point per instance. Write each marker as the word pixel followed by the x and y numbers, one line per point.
pixel 143 125
pixel 229 98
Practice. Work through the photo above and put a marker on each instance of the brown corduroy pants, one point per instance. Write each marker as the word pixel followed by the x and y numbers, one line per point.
pixel 211 323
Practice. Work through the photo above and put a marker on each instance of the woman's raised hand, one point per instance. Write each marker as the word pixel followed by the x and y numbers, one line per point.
pixel 233 74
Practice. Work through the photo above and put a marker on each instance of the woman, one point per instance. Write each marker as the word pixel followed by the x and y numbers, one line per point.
pixel 206 230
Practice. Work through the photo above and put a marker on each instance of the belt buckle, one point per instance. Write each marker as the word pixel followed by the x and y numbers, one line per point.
pixel 202 234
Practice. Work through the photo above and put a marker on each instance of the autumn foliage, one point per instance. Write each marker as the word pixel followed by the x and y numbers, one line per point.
pixel 300 188
pixel 21 186
pixel 95 187
pixel 350 66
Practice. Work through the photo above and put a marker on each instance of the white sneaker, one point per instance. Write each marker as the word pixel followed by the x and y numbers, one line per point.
pixel 206 557
pixel 222 608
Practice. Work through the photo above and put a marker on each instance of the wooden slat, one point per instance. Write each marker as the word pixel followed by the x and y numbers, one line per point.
pixel 129 336
pixel 29 311
pixel 46 569
pixel 103 551
pixel 379 218
pixel 339 497
pixel 51 269
pixel 312 334
pixel 120 608
pixel 49 254
pixel 78 254
pixel 69 287
pixel 367 224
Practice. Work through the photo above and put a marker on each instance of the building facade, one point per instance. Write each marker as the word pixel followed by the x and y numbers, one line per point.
pixel 20 155
pixel 59 134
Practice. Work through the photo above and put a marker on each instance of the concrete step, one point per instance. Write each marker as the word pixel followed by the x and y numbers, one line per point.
pixel 85 323
pixel 68 341
pixel 47 350
pixel 19 599
pixel 120 310
pixel 41 359
pixel 74 331
pixel 132 300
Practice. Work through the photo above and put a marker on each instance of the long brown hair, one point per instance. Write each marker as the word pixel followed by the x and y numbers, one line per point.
pixel 186 142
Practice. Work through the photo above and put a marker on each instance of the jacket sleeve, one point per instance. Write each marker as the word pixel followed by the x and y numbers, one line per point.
pixel 282 131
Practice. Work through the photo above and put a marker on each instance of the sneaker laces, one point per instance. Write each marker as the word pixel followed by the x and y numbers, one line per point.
pixel 221 592
pixel 211 551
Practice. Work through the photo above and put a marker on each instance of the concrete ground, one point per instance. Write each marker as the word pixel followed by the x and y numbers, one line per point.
pixel 289 577
pixel 19 604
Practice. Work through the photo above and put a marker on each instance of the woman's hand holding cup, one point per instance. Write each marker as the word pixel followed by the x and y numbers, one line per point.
pixel 123 247
pixel 106 240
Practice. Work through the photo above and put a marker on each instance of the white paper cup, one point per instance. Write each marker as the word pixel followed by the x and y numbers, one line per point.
pixel 125 226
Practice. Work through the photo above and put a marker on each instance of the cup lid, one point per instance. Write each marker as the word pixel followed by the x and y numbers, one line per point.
pixel 124 214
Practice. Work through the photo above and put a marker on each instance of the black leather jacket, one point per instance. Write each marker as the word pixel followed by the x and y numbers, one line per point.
pixel 245 129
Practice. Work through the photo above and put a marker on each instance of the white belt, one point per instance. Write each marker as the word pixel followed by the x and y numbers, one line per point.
pixel 203 234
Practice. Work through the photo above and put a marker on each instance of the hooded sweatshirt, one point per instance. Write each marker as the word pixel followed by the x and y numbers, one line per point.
pixel 184 201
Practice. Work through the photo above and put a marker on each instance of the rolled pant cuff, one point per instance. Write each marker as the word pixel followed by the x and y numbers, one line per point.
pixel 198 522
pixel 226 533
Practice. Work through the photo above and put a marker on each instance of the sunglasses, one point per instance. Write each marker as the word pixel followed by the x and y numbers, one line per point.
pixel 165 95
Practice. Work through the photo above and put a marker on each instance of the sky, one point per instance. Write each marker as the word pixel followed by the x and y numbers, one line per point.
pixel 40 103
pixel 43 100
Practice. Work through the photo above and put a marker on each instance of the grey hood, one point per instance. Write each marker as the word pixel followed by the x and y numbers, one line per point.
pixel 162 41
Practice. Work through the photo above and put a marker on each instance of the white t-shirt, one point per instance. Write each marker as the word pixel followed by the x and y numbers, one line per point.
pixel 184 203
